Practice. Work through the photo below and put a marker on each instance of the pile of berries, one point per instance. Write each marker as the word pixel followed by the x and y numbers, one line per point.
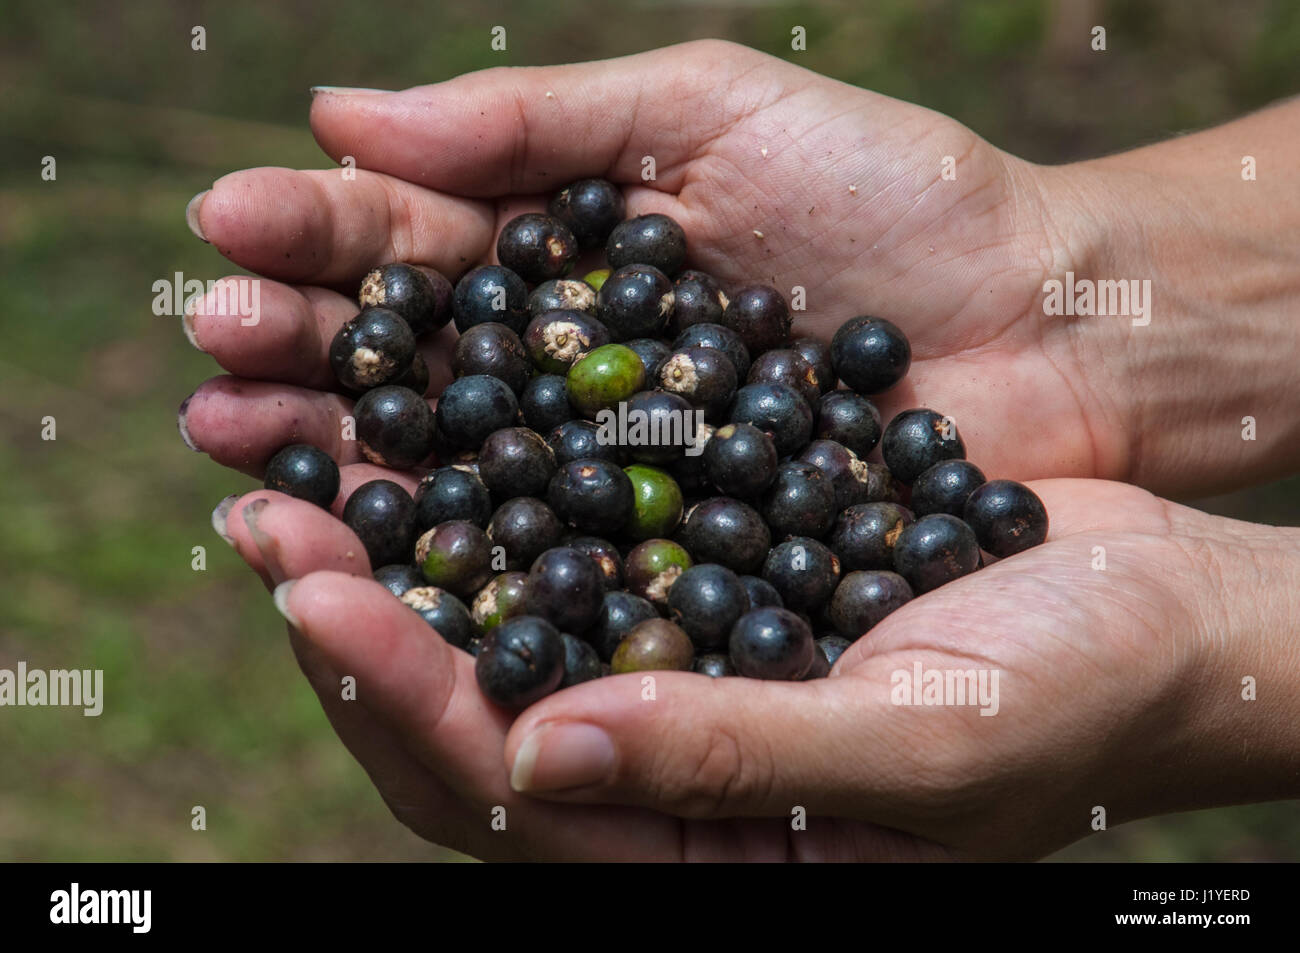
pixel 642 470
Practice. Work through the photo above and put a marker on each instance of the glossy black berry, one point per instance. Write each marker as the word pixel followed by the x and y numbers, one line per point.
pixel 916 440
pixel 545 403
pixel 850 477
pixel 741 460
pixel 1007 517
pixel 771 643
pixel 620 612
pixel 850 420
pixel 525 528
pixel 537 247
pixel 382 514
pixel 420 295
pixel 472 407
pixel 699 299
pixel 581 440
pixel 870 355
pixel 863 598
pixel 592 495
pixel 778 410
pixel 503 598
pixel 399 577
pixel 863 536
pixel 443 611
pixel 451 493
pixel 832 647
pixel 706 600
pixel 761 592
pixel 727 531
pixel 492 349
pixel 945 487
pixel 661 426
pixel 490 293
pixel 606 556
pixel 714 665
pixel 304 472
pixel 652 567
pixel 562 294
pixel 516 461
pixel 804 571
pixel 635 302
pixel 759 314
pixel 520 662
pixel 395 427
pixel 566 587
pixel 652 646
pixel 934 550
pixel 786 366
pixel 555 340
pixel 800 501
pixel 591 208
pixel 704 377
pixel 720 337
pixel 647 240
pixel 581 663
pixel 374 348
pixel 456 556
pixel 818 354
pixel 652 352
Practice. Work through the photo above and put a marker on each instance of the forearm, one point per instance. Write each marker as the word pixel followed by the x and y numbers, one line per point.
pixel 1222 254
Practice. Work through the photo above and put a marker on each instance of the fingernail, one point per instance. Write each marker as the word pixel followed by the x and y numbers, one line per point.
pixel 346 90
pixel 559 756
pixel 187 320
pixel 183 427
pixel 281 599
pixel 221 514
pixel 266 544
pixel 192 214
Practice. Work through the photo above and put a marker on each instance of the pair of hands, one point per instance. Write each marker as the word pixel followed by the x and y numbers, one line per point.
pixel 1119 686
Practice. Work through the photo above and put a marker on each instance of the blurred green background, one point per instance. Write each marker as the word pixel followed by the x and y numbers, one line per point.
pixel 205 703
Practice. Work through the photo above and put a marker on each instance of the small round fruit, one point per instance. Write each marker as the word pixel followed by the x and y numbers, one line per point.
pixel 635 302
pixel 520 662
pixel 870 355
pixel 604 377
pixel 581 440
pixel 545 402
pixel 864 534
pixel 706 600
pixel 655 645
pixel 741 460
pixel 556 340
pixel 727 531
pixel 720 337
pixel 652 352
pixel 714 665
pixel 566 587
pixel 916 440
pixel 786 366
pixel 606 556
pixel 804 571
pixel 592 495
pixel 657 509
pixel 818 354
pixel 647 240
pixel 1007 517
pixel 703 376
pixel 503 598
pixel 562 294
pixel 670 427
pixel 850 477
pixel 374 348
pixel 771 643
pixel 934 550
pixel 537 247
pixel 451 493
pixel 864 598
pixel 581 663
pixel 591 208
pixel 778 410
pixel 525 528
pixel 443 611
pixel 492 349
pixel 945 487
pixel 699 299
pixel 304 472
pixel 761 592
pixel 456 556
pixel 490 293
pixel 850 420
pixel 516 461
pixel 472 407
pixel 399 577
pixel 800 501
pixel 652 567
pixel 420 295
pixel 759 314
pixel 598 277
pixel 395 427
pixel 619 613
pixel 382 514
pixel 832 647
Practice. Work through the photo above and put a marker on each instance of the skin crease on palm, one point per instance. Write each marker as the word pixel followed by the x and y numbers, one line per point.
pixel 1105 675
